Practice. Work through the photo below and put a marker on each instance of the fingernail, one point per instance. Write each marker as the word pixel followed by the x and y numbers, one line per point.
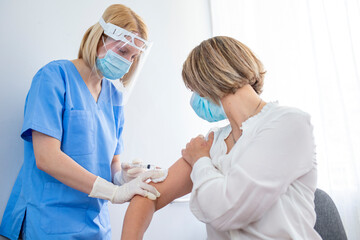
pixel 157 193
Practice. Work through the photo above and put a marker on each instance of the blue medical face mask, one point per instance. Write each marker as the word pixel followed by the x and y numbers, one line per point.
pixel 113 66
pixel 206 109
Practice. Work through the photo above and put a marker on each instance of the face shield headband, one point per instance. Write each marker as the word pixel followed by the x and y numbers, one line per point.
pixel 120 34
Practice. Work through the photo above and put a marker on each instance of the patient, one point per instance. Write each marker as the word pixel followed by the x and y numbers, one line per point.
pixel 252 179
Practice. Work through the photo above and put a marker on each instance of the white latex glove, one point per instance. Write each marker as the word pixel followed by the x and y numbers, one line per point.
pixel 127 172
pixel 120 194
pixel 160 179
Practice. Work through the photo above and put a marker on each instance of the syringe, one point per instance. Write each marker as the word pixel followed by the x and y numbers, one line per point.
pixel 145 166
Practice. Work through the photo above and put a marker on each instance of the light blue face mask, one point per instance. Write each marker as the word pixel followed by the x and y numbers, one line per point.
pixel 206 109
pixel 113 66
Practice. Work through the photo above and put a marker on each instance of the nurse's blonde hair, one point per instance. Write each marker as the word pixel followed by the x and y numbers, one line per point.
pixel 221 65
pixel 118 15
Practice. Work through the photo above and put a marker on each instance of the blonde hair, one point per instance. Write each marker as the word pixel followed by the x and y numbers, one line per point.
pixel 221 65
pixel 118 15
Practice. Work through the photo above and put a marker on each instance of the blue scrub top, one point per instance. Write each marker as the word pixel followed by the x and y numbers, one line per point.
pixel 60 105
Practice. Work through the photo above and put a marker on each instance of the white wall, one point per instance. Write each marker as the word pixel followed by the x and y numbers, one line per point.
pixel 159 120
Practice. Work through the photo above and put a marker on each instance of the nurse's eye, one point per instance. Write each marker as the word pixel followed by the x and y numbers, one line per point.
pixel 122 51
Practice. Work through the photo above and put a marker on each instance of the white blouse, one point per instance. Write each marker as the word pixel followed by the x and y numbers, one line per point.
pixel 264 187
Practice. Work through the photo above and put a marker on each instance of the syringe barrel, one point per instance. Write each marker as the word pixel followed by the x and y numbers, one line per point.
pixel 146 166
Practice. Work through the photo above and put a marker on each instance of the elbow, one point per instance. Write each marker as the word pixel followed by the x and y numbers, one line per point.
pixel 47 160
pixel 41 164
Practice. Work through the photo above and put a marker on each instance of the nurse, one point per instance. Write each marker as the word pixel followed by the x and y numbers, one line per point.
pixel 72 131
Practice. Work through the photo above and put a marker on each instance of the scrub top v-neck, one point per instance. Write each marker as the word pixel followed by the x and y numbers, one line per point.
pixel 60 105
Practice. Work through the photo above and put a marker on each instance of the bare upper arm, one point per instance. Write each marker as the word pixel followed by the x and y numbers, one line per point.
pixel 44 142
pixel 44 147
pixel 177 183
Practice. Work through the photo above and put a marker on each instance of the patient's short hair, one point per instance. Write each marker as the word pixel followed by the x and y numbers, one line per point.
pixel 221 65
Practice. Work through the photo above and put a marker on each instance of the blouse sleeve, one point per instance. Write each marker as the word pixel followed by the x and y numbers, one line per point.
pixel 280 153
pixel 44 104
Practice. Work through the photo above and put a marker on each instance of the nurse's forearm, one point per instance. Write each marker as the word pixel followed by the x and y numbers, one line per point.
pixel 141 210
pixel 115 165
pixel 50 159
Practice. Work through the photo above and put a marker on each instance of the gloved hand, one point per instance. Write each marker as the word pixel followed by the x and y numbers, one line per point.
pixel 127 172
pixel 120 194
pixel 160 179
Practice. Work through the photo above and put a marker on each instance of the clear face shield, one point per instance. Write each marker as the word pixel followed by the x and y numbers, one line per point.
pixel 121 57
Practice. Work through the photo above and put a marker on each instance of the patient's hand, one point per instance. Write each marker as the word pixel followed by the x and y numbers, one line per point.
pixel 198 147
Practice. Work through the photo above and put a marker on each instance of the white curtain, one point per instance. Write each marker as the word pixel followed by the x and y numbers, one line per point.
pixel 311 51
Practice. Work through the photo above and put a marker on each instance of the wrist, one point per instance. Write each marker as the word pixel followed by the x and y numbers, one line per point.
pixel 118 178
pixel 103 189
